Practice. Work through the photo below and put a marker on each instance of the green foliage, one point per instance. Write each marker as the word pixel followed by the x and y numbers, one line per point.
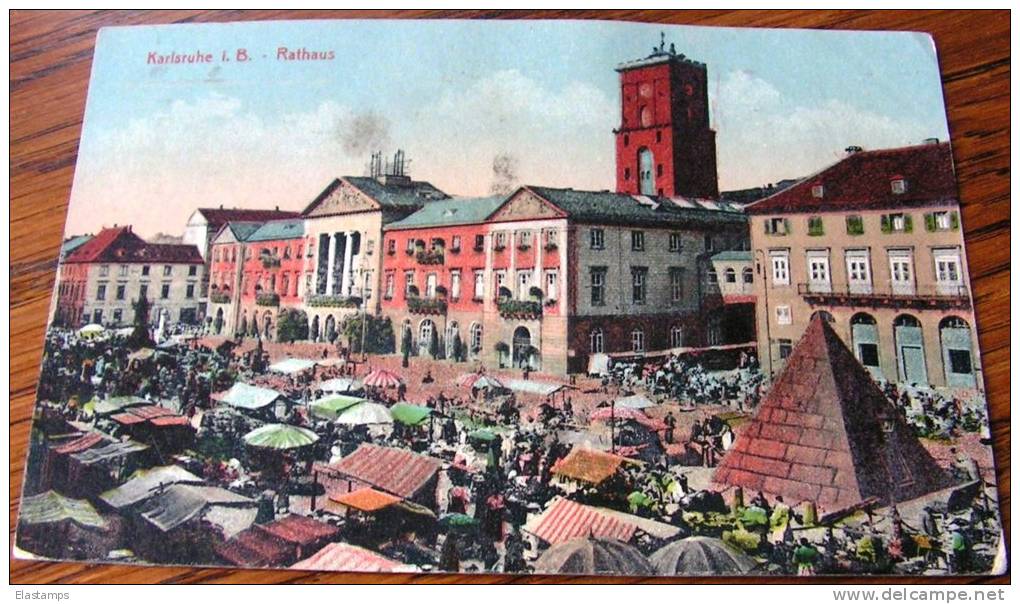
pixel 522 309
pixel 379 338
pixel 854 225
pixel 434 344
pixel 292 325
pixel 815 226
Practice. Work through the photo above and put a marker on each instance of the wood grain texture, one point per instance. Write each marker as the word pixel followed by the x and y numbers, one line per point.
pixel 51 55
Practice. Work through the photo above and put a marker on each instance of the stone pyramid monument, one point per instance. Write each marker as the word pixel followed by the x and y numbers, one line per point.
pixel 826 433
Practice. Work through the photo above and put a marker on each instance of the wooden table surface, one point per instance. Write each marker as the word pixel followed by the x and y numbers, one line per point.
pixel 51 55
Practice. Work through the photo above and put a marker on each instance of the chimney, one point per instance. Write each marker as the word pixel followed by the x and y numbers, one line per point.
pixel 853 149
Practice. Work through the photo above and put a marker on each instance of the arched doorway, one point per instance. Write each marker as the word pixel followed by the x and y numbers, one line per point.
pixel 218 321
pixel 523 353
pixel 330 329
pixel 864 338
pixel 910 350
pixel 646 171
pixel 597 341
pixel 957 355
pixel 426 334
pixel 244 324
pixel 715 332
pixel 254 325
pixel 453 336
pixel 313 329
pixel 475 349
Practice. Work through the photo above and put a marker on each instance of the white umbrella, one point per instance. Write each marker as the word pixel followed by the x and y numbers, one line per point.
pixel 635 401
pixel 364 414
pixel 340 385
pixel 91 329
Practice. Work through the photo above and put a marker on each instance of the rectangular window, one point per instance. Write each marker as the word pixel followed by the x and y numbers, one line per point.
pixel 524 240
pixel 675 242
pixel 709 243
pixel 780 268
pixel 189 291
pixel 959 361
pixel 598 286
pixel 637 241
pixel 639 282
pixel 121 291
pixel 479 243
pixel 193 270
pixel 552 285
pixel 98 316
pixel 123 270
pixel 777 226
pixel 430 285
pixel 145 270
pixel 391 247
pixel 897 223
pixel 479 285
pixel 818 271
pixel 785 348
pixel 499 241
pixel 858 271
pixel 523 284
pixel 118 314
pixel 167 270
pixel 901 269
pixel 104 270
pixel 854 225
pixel 370 246
pixel 499 280
pixel 783 315
pixel 815 226
pixel 165 291
pixel 637 341
pixel 455 243
pixel 676 283
pixel 942 221
pixel 390 285
pixel 101 292
pixel 455 285
pixel 598 239
pixel 143 291
pixel 869 354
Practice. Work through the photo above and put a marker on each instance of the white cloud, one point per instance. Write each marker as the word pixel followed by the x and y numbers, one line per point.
pixel 763 136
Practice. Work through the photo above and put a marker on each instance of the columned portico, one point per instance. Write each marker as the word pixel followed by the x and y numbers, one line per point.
pixel 345 276
pixel 331 255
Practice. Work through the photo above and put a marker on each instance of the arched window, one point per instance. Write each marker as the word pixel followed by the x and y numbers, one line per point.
pixel 646 165
pixel 676 337
pixel 476 338
pixel 825 315
pixel 748 275
pixel 646 116
pixel 957 357
pixel 637 340
pixel 596 341
pixel 713 277
pixel 906 321
pixel 910 353
pixel 730 275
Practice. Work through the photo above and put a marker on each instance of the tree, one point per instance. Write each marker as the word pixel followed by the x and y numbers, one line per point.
pixel 379 338
pixel 292 325
pixel 139 337
pixel 433 344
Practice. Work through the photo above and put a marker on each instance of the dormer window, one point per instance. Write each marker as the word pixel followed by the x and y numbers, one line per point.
pixel 899 185
pixel 817 191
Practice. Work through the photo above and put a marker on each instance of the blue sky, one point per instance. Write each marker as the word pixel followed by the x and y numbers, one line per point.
pixel 454 94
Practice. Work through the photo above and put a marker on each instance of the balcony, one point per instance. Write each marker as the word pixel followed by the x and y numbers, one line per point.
pixel 219 297
pixel 268 299
pixel 323 301
pixel 426 306
pixel 430 257
pixel 519 309
pixel 270 261
pixel 887 296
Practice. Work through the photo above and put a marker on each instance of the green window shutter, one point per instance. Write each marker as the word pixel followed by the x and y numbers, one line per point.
pixel 886 224
pixel 954 220
pixel 908 223
pixel 786 226
pixel 929 222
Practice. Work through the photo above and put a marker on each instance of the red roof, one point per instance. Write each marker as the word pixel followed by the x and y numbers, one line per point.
pixel 220 216
pixel 150 411
pixel 826 433
pixel 251 547
pixel 588 465
pixel 170 420
pixel 564 520
pixel 397 471
pixel 127 419
pixel 84 443
pixel 344 557
pixel 863 181
pixel 301 530
pixel 366 500
pixel 121 245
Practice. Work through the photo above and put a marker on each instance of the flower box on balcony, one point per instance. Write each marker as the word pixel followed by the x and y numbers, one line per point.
pixel 524 247
pixel 499 247
pixel 219 298
pixel 270 262
pixel 455 249
pixel 334 301
pixel 550 246
pixel 519 309
pixel 269 299
pixel 426 306
pixel 435 257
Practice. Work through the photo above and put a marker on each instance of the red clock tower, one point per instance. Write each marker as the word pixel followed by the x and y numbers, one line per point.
pixel 664 145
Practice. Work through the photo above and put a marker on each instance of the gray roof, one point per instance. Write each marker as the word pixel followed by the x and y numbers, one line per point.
pixel 241 230
pixel 733 256
pixel 51 506
pixel 74 243
pixel 179 503
pixel 449 212
pixel 619 208
pixel 144 482
pixel 111 451
pixel 246 396
pixel 414 194
pixel 275 230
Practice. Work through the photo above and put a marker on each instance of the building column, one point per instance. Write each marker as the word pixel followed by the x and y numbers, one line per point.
pixel 329 263
pixel 345 277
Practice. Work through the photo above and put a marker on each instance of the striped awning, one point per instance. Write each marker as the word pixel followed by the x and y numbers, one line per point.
pixel 345 557
pixel 564 520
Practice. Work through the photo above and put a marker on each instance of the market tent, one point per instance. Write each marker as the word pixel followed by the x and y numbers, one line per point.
pixel 91 330
pixel 280 437
pixel 381 378
pixel 366 499
pixel 467 380
pixel 410 415
pixel 141 354
pixel 563 520
pixel 487 381
pixel 116 404
pixel 588 465
pixel 52 507
pixel 592 556
pixel 533 387
pixel 635 401
pixel 175 505
pixel 625 413
pixel 143 482
pixel 701 556
pixel 330 407
pixel 246 396
pixel 292 366
pixel 341 385
pixel 365 414
pixel 344 557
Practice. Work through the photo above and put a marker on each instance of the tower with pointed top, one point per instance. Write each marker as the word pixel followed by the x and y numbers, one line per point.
pixel 664 145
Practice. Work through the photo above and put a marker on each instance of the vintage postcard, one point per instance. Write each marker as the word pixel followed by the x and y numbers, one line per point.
pixel 544 297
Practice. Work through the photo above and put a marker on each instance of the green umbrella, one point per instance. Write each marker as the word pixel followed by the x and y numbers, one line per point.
pixel 330 407
pixel 411 415
pixel 280 437
pixel 451 521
